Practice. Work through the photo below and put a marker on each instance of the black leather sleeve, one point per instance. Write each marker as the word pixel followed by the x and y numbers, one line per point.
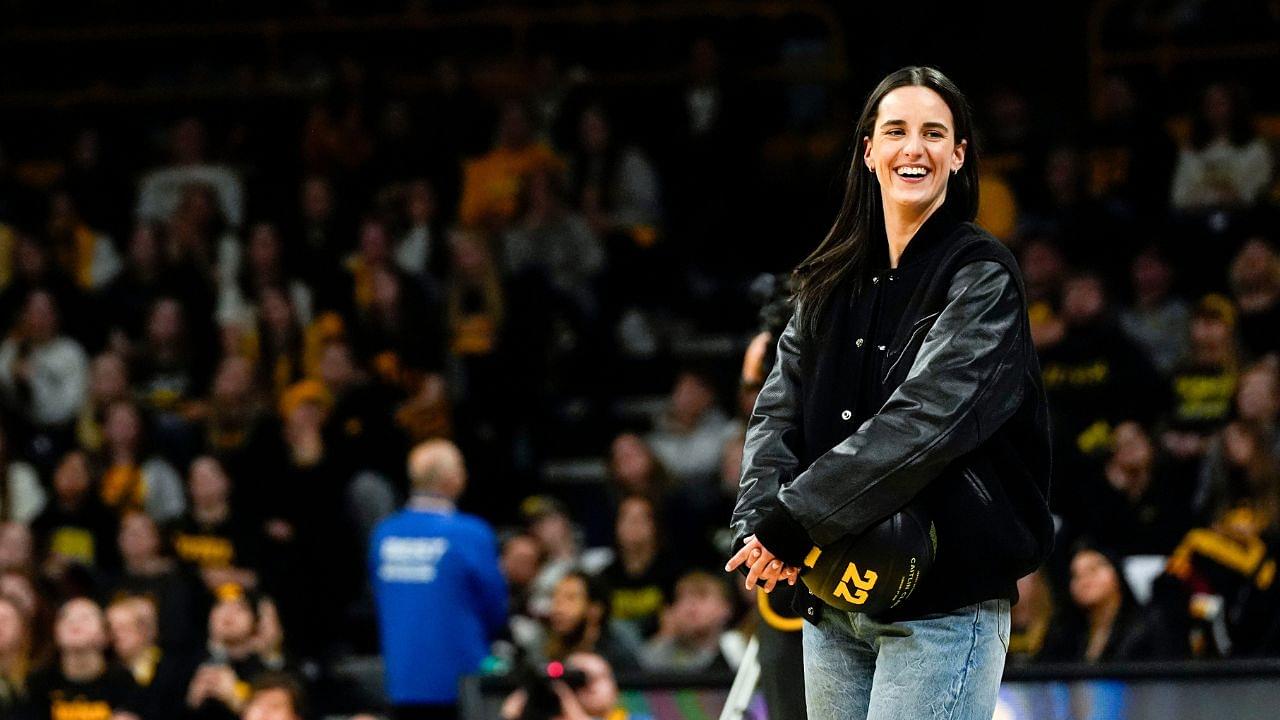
pixel 967 379
pixel 770 455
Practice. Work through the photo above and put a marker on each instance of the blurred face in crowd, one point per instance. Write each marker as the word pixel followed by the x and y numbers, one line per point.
pixel 21 591
pixel 13 630
pixel 234 380
pixel 123 426
pixel 1258 396
pixel 1132 446
pixel 264 248
pixel 139 538
pixel 691 398
pixel 513 126
pixel 231 622
pixel 271 704
pixel 80 626
pixel 571 607
pixel 1151 276
pixel 30 258
pixel 1042 264
pixel 164 327
pixel 198 205
pixel 420 202
pixel 132 624
pixel 277 311
pixel 632 463
pixel 337 367
pixel 1094 581
pixel 636 527
pixel 108 378
pixel 210 486
pixel 16 546
pixel 71 478
pixel 1255 268
pixel 593 131
pixel 913 129
pixel 144 248
pixel 701 607
pixel 386 290
pixel 1218 108
pixel 470 255
pixel 1083 300
pixel 40 317
pixel 555 533
pixel 600 695
pixel 375 245
pixel 1062 174
pixel 317 199
pixel 1210 338
pixel 521 560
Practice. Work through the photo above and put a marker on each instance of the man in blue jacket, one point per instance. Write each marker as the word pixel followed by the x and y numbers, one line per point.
pixel 439 591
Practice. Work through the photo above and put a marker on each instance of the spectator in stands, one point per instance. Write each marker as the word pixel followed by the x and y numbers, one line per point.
pixel 149 570
pixel 161 676
pixel 31 269
pixel 1241 470
pixel 492 183
pixel 1033 624
pixel 432 561
pixel 81 679
pixel 1094 376
pixel 554 245
pixel 1204 385
pixel 579 622
pixel 277 340
pixel 22 495
pixel 133 478
pixel 692 635
pixel 15 656
pixel 613 185
pixel 642 576
pixel 1044 270
pixel 634 468
pixel 1225 164
pixel 44 374
pixel 147 277
pixel 317 239
pixel 170 369
pixel 108 383
pixel 264 267
pixel 1156 321
pixel 235 423
pixel 1138 505
pixel 548 520
pixel 1131 155
pixel 422 250
pixel 160 191
pixel 74 529
pixel 1255 284
pixel 1105 622
pixel 521 560
pixel 17 547
pixel 598 698
pixel 276 696
pixel 691 431
pixel 235 656
pixel 221 547
pixel 86 256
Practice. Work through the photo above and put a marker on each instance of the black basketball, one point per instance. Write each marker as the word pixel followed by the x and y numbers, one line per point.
pixel 877 570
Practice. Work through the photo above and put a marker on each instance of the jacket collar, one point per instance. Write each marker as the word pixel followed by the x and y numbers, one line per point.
pixel 936 228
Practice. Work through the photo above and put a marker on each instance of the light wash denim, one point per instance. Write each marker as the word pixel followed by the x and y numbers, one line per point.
pixel 945 666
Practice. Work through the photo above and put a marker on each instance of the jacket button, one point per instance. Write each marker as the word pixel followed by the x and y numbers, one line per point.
pixel 875 279
pixel 846 415
pixel 808 611
pixel 858 342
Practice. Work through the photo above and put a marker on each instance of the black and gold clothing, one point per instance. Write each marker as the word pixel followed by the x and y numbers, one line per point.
pixel 218 545
pixel 639 599
pixel 1202 397
pixel 85 535
pixel 53 696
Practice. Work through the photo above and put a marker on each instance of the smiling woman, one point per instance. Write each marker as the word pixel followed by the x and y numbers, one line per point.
pixel 906 387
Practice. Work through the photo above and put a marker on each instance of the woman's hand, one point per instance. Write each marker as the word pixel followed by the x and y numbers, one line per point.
pixel 762 565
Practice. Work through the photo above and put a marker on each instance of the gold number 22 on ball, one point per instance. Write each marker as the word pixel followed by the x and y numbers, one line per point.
pixel 863 583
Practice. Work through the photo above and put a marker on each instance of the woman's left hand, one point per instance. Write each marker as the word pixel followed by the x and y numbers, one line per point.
pixel 762 564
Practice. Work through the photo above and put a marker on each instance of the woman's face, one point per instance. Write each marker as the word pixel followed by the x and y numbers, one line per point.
pixel 913 129
pixel 80 626
pixel 1093 579
pixel 12 624
pixel 139 538
pixel 635 523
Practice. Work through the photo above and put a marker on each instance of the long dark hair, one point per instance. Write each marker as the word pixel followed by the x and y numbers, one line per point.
pixel 847 248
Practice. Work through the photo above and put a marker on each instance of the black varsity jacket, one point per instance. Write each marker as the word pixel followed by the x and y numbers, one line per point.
pixel 962 425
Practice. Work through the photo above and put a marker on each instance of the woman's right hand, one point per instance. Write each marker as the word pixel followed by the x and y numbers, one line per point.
pixel 762 565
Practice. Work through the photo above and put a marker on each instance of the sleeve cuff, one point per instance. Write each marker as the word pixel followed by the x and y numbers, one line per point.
pixel 784 536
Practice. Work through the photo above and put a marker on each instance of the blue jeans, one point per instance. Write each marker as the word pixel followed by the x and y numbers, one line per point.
pixel 938 667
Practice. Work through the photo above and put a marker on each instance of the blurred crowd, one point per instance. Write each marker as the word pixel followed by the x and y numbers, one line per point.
pixel 218 352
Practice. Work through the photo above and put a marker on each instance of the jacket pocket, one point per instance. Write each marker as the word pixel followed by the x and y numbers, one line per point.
pixel 977 486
